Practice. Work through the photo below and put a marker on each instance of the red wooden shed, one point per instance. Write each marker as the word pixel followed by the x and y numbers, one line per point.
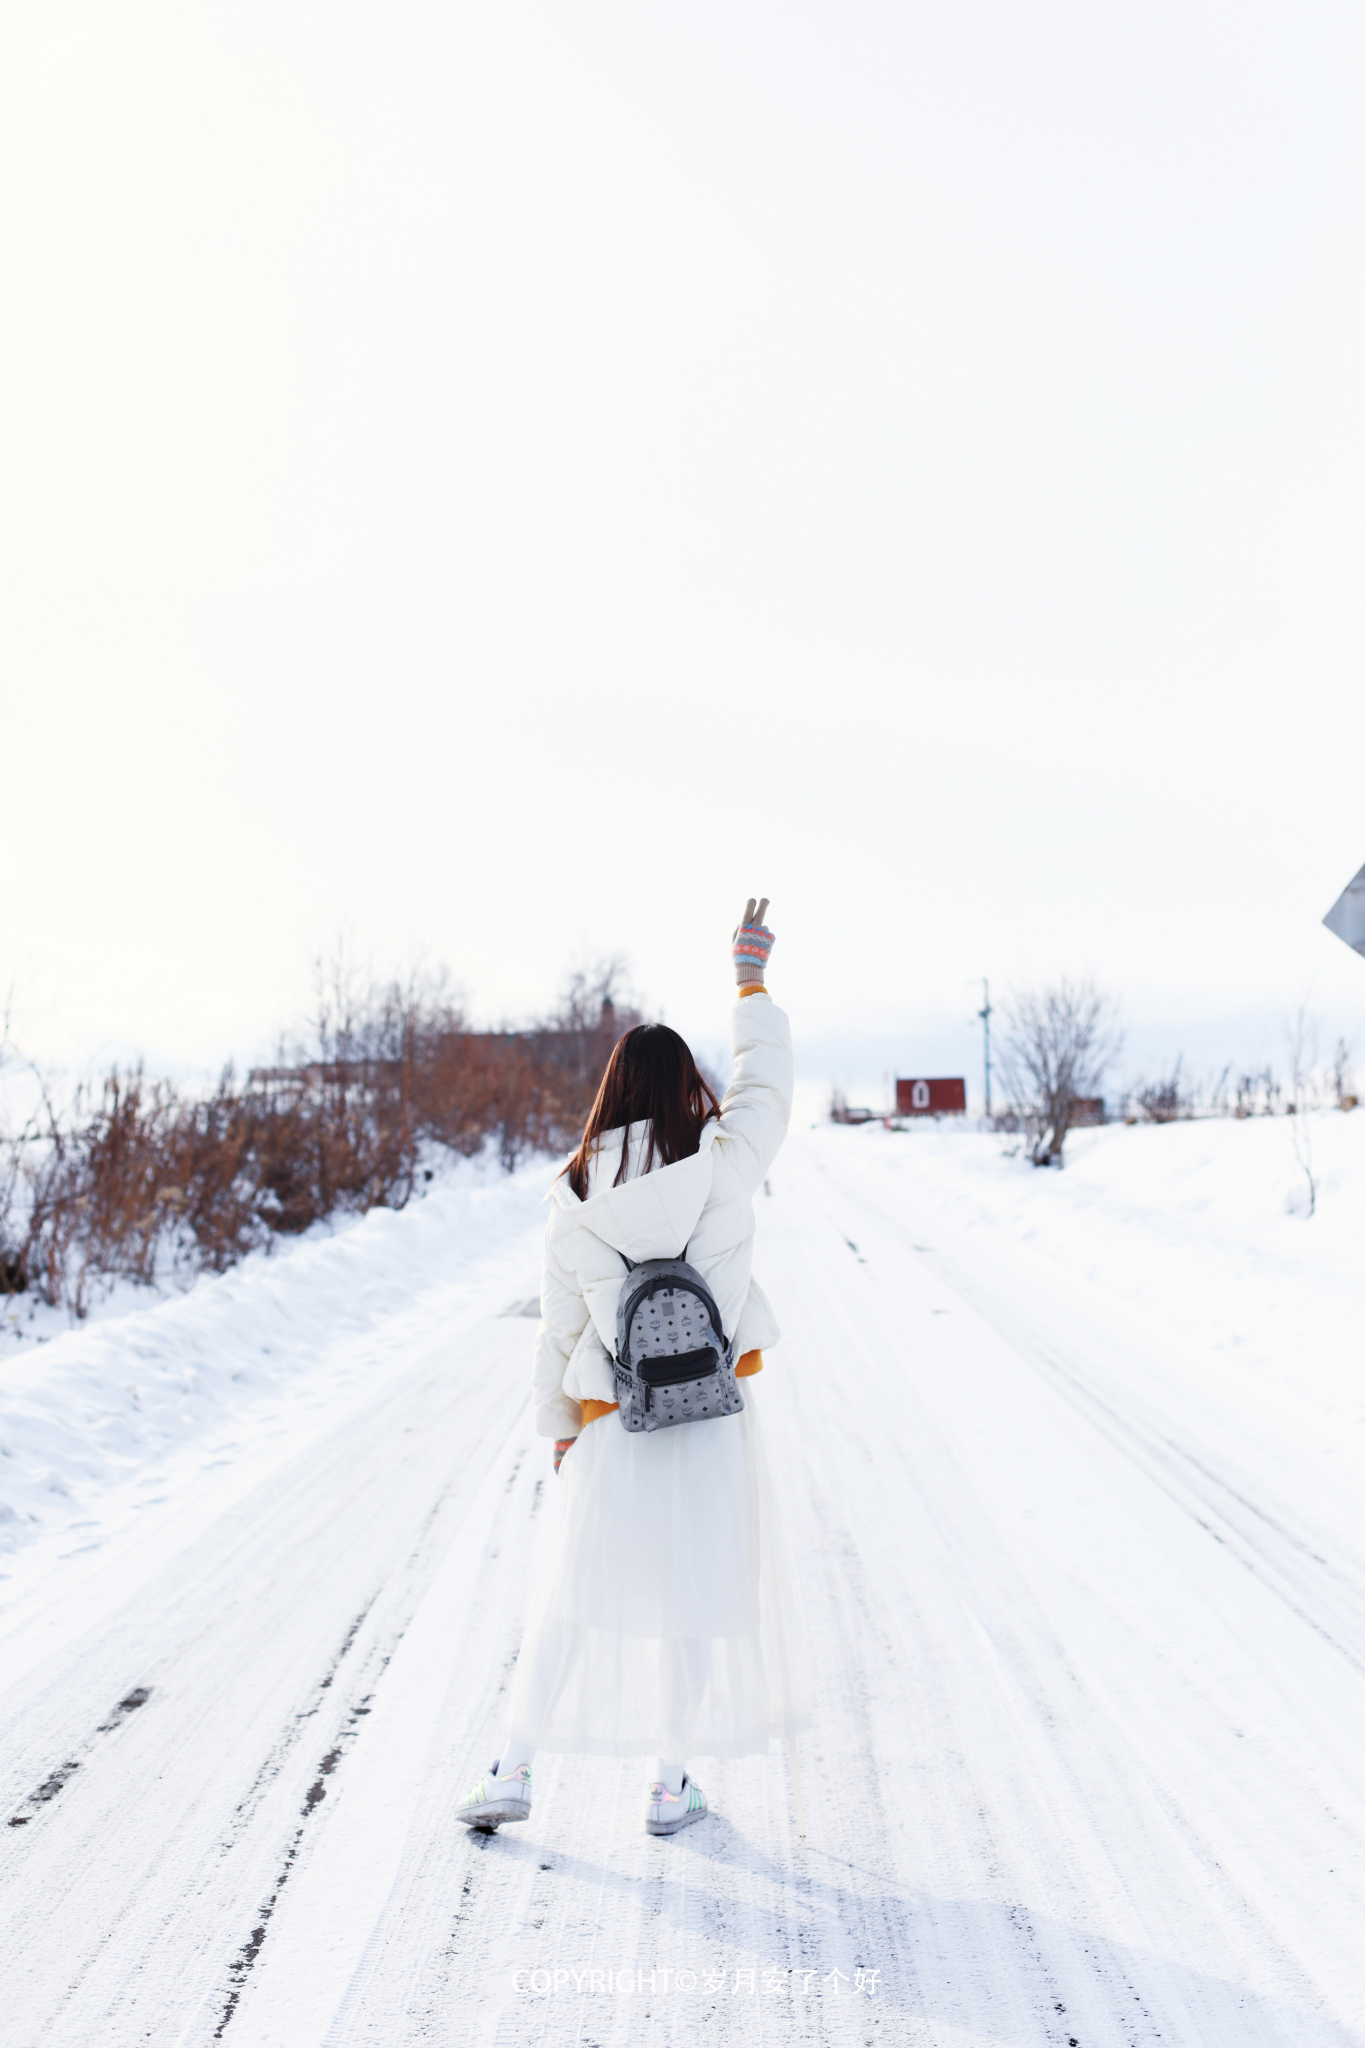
pixel 931 1098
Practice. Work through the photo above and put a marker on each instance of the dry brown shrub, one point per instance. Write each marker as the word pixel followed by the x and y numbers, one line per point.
pixel 138 1180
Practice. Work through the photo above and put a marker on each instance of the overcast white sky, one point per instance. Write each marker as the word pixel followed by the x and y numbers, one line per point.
pixel 509 480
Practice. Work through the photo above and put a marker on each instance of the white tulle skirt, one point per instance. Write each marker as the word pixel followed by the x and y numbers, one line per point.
pixel 666 1621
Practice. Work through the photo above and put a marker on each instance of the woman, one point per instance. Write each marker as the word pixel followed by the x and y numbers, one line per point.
pixel 666 1620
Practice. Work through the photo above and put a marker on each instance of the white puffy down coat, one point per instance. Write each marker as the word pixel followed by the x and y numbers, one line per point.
pixel 702 1206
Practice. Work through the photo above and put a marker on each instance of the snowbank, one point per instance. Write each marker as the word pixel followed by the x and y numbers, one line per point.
pixel 99 1405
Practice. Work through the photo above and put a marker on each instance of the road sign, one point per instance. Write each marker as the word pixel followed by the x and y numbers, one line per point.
pixel 1347 916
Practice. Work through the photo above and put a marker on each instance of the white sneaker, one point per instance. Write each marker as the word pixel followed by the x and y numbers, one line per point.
pixel 666 1812
pixel 494 1800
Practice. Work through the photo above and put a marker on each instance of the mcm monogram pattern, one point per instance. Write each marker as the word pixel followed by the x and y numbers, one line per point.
pixel 671 1321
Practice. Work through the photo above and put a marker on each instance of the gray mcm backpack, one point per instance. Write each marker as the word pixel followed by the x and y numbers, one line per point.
pixel 673 1362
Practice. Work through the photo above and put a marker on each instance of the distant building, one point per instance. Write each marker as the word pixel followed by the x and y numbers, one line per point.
pixel 840 1112
pixel 1088 1109
pixel 931 1098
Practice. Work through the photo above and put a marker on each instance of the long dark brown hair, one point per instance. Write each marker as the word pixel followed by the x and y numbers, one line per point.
pixel 651 1078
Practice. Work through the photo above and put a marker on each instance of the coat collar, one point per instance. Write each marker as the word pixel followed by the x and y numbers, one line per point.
pixel 651 1217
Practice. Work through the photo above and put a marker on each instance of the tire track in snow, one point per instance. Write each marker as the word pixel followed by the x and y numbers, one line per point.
pixel 58 1778
pixel 351 1525
pixel 239 1969
pixel 397 1606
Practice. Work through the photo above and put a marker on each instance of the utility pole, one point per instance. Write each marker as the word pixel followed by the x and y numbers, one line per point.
pixel 984 1013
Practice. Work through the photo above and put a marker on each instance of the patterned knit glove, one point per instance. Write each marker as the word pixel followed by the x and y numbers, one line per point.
pixel 752 944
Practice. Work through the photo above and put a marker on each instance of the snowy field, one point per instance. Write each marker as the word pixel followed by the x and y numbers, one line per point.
pixel 1072 1464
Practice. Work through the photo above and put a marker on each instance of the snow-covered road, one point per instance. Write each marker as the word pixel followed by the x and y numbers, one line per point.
pixel 1087 1767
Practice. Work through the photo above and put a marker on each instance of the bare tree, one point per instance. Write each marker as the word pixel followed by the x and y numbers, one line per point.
pixel 1059 1043
pixel 1166 1101
pixel 1301 1040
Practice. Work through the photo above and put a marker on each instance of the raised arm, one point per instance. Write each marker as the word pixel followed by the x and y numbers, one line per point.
pixel 758 1103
